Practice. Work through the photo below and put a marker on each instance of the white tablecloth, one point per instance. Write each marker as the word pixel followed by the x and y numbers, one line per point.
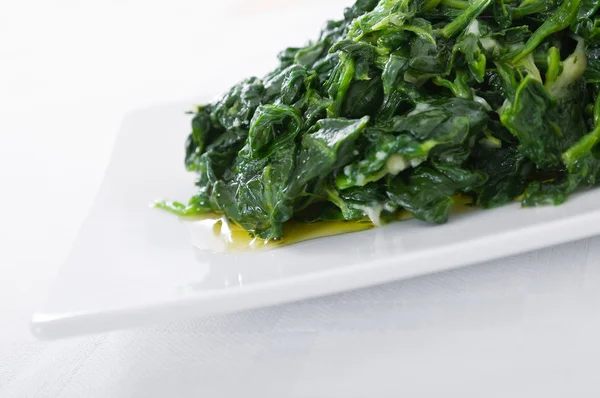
pixel 526 326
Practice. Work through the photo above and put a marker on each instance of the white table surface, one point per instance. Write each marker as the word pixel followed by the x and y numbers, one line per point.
pixel 526 326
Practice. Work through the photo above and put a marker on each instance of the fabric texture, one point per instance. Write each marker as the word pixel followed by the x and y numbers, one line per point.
pixel 521 327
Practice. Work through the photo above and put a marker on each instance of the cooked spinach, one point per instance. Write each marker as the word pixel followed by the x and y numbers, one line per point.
pixel 405 105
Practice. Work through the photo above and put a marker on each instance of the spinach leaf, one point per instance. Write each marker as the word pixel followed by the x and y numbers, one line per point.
pixel 427 193
pixel 272 126
pixel 254 198
pixel 405 105
pixel 528 118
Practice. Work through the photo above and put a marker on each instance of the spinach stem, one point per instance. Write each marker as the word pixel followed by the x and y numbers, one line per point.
pixel 463 20
pixel 560 20
pixel 460 4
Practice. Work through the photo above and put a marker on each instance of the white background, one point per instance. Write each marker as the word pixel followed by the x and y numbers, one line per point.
pixel 69 71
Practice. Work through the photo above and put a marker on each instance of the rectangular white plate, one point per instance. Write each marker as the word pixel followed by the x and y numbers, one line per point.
pixel 132 264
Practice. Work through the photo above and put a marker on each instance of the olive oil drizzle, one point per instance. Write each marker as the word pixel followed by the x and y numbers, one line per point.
pixel 230 237
pixel 216 233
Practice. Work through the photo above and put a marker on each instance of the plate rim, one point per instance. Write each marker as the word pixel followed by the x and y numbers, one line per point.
pixel 313 285
pixel 47 326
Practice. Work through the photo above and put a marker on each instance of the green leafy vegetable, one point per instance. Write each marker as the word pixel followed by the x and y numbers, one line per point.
pixel 406 105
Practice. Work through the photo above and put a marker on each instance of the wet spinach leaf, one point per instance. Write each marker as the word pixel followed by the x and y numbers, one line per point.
pixel 403 105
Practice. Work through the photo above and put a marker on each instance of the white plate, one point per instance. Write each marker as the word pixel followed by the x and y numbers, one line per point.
pixel 132 264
